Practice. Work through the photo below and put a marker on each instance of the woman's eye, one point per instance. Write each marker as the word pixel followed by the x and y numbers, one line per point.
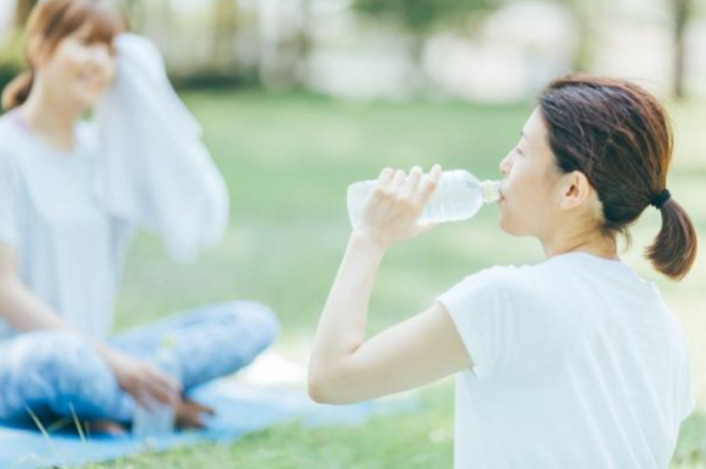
pixel 518 151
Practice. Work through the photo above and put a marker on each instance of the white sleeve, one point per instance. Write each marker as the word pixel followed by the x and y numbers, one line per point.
pixel 8 210
pixel 506 323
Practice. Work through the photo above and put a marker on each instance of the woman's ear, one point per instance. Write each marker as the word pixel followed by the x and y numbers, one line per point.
pixel 575 190
pixel 35 51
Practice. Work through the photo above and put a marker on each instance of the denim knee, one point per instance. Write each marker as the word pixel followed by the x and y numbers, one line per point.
pixel 259 319
pixel 47 370
pixel 67 362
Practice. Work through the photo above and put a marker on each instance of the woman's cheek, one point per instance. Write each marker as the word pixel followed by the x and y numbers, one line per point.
pixel 110 76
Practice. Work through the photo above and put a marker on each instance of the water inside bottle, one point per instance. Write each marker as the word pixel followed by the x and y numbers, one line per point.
pixel 458 196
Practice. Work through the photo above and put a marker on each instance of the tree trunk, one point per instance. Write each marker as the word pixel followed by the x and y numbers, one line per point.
pixel 22 10
pixel 584 12
pixel 135 13
pixel 15 44
pixel 682 10
pixel 226 27
pixel 418 75
pixel 305 45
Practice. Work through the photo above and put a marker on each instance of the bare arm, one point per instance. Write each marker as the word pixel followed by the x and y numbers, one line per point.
pixel 21 307
pixel 25 312
pixel 344 367
pixel 18 305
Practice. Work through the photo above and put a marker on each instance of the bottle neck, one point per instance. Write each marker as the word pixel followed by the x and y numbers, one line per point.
pixel 491 191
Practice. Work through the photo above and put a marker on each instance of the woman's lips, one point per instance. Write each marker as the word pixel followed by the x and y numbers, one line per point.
pixel 90 80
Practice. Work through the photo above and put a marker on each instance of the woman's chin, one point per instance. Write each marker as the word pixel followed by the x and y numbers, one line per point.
pixel 509 227
pixel 503 224
pixel 87 100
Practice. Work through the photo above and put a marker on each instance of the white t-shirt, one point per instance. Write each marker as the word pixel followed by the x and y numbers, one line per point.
pixel 69 249
pixel 578 363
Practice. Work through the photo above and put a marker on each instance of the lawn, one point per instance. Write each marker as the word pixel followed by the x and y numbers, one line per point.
pixel 288 160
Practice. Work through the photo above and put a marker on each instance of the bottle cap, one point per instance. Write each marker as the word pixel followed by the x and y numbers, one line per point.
pixel 491 191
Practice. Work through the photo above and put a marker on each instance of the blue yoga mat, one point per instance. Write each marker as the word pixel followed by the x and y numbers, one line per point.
pixel 240 410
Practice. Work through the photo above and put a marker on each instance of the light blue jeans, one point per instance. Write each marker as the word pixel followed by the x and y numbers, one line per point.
pixel 56 373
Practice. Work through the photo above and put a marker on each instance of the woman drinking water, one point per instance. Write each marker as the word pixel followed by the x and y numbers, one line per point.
pixel 572 362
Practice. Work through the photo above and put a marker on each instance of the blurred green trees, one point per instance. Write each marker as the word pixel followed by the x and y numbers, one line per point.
pixel 416 20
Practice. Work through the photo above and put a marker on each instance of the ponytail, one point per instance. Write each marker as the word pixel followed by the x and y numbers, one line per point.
pixel 17 91
pixel 619 136
pixel 674 250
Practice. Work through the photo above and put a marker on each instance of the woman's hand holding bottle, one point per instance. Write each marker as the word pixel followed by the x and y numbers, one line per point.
pixel 391 213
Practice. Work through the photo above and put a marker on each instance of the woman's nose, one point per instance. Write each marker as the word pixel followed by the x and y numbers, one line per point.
pixel 505 165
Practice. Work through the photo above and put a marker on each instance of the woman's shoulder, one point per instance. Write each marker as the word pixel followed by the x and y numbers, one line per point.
pixel 533 294
pixel 537 283
pixel 514 276
pixel 10 139
pixel 10 130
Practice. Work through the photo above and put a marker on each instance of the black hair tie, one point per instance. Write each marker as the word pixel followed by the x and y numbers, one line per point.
pixel 661 199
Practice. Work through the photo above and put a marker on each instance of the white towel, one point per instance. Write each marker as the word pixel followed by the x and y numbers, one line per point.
pixel 154 169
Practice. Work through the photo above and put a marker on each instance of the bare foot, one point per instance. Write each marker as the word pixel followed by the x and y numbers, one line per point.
pixel 105 427
pixel 190 414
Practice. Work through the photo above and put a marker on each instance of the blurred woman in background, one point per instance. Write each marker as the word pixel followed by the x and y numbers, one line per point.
pixel 62 246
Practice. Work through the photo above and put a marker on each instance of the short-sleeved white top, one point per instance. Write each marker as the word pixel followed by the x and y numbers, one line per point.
pixel 69 249
pixel 578 363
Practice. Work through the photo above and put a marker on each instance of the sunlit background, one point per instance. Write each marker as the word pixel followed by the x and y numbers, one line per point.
pixel 480 50
pixel 299 98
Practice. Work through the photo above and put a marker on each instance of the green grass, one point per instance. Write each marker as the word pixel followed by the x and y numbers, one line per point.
pixel 288 160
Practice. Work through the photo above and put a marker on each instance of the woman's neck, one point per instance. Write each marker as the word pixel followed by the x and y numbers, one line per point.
pixel 593 242
pixel 50 120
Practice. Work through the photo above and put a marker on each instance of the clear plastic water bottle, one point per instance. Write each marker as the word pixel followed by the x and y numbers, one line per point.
pixel 458 196
pixel 158 419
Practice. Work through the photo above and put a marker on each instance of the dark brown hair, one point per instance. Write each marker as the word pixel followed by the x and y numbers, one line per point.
pixel 619 136
pixel 52 21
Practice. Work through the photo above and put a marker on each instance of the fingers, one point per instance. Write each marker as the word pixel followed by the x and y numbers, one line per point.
pixel 200 408
pixel 409 187
pixel 397 181
pixel 413 186
pixel 427 187
pixel 385 177
pixel 187 421
pixel 385 191
pixel 190 414
pixel 142 398
pixel 435 173
pixel 161 387
pixel 392 211
pixel 151 386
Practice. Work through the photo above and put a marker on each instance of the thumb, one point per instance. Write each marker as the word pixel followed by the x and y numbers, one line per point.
pixel 201 408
